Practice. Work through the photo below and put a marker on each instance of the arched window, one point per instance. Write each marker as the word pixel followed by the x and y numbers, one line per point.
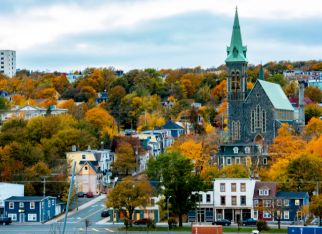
pixel 235 80
pixel 258 119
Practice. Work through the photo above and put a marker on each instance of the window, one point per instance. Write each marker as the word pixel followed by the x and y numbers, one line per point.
pixel 279 202
pixel 267 214
pixel 237 160
pixel 233 200
pixel 11 205
pixel 297 202
pixel 267 203
pixel 243 187
pixel 228 161
pixel 255 214
pixel 233 187
pixel 286 202
pixel 235 130
pixel 200 198
pixel 21 205
pixel 264 161
pixel 12 216
pixel 222 187
pixel 286 214
pixel 255 203
pixel 258 119
pixel 83 156
pixel 208 197
pixel 263 192
pixel 32 217
pixel 32 205
pixel 222 200
pixel 49 203
pixel 85 168
pixel 243 200
pixel 52 202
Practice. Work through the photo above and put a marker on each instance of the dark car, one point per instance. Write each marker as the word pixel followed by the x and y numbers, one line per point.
pixel 5 220
pixel 223 222
pixel 80 194
pixel 105 213
pixel 89 194
pixel 140 221
pixel 250 222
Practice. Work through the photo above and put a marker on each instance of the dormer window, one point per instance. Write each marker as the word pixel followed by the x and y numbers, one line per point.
pixel 263 192
pixel 83 156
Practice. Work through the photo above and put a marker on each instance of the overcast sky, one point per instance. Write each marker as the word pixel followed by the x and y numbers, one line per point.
pixel 67 35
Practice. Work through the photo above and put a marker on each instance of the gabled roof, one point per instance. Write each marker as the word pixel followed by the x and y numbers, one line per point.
pixel 275 94
pixel 27 198
pixel 271 186
pixel 295 195
pixel 89 163
pixel 171 125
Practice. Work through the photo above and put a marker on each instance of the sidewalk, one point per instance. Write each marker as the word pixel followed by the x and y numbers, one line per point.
pixel 84 206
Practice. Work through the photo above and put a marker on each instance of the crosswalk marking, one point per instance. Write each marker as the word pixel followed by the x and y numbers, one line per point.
pixel 109 230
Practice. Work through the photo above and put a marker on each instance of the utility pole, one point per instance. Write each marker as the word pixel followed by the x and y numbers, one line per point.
pixel 168 213
pixel 44 182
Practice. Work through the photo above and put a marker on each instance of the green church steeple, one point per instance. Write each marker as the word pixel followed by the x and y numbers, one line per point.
pixel 261 73
pixel 236 52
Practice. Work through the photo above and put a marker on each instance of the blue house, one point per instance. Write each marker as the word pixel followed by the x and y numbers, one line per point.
pixel 290 204
pixel 176 130
pixel 30 208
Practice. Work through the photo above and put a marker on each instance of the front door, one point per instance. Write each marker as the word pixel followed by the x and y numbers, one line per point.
pixel 22 217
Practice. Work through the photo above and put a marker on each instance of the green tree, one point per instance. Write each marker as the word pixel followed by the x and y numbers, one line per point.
pixel 174 171
pixel 314 93
pixel 312 110
pixel 278 79
pixel 129 194
pixel 4 104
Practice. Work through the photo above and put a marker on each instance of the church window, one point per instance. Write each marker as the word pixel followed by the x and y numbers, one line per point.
pixel 235 80
pixel 258 119
pixel 235 130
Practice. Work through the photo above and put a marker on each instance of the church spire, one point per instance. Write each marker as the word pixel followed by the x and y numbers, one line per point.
pixel 261 73
pixel 236 52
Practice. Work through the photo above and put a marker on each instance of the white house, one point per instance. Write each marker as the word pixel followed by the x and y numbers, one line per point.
pixel 8 190
pixel 231 198
pixel 28 112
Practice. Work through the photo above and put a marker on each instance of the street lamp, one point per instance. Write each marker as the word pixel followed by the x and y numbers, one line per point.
pixel 168 212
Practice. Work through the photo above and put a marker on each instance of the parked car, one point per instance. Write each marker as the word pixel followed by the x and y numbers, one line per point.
pixel 105 213
pixel 223 222
pixel 5 220
pixel 89 194
pixel 250 222
pixel 80 194
pixel 140 221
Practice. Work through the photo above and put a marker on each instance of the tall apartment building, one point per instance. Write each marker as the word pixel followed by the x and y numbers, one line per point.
pixel 8 62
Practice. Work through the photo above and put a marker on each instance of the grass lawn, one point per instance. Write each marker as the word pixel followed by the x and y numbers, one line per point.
pixel 188 229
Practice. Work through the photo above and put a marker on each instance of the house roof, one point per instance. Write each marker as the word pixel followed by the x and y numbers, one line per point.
pixel 275 94
pixel 171 125
pixel 91 164
pixel 296 195
pixel 271 186
pixel 27 198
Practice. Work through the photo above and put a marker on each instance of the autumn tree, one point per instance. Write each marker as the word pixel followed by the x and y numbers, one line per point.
pixel 312 110
pixel 316 207
pixel 125 159
pixel 314 93
pixel 149 121
pixel 174 171
pixel 129 194
pixel 314 127
pixel 235 171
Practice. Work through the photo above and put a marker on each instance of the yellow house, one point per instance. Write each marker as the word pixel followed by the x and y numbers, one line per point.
pixel 79 156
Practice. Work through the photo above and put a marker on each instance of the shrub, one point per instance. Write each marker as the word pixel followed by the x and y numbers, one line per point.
pixel 172 223
pixel 262 225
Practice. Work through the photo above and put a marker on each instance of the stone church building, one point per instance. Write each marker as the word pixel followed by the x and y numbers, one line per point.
pixel 255 115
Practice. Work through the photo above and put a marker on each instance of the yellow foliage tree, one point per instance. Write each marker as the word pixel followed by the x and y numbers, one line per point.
pixel 314 127
pixel 66 104
pixel 148 121
pixel 219 92
pixel 102 120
